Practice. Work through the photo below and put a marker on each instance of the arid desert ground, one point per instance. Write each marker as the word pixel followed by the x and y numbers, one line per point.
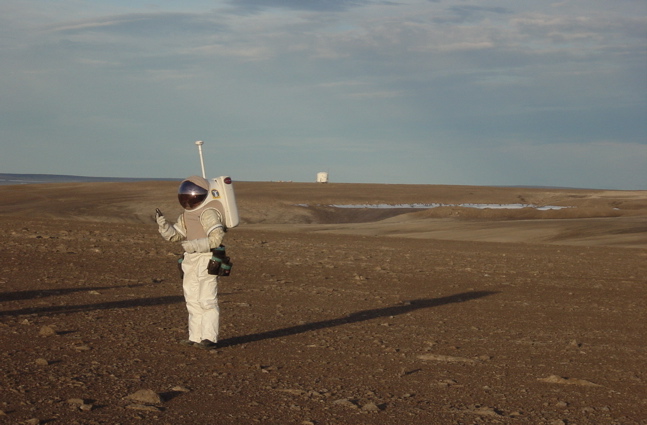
pixel 448 315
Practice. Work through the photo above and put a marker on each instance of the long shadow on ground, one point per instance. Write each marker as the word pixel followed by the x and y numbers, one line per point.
pixel 42 293
pixel 359 316
pixel 67 309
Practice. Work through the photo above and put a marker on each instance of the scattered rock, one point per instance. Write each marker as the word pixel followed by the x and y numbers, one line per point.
pixel 143 407
pixel 370 407
pixel 554 379
pixel 482 411
pixel 42 362
pixel 145 397
pixel 442 358
pixel 47 331
pixel 79 403
pixel 485 411
pixel 346 403
pixel 448 383
pixel 292 391
pixel 82 347
pixel 267 369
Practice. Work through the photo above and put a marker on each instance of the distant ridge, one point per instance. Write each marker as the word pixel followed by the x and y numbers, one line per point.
pixel 8 179
pixel 13 179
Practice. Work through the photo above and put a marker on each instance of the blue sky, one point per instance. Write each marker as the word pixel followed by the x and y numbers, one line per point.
pixel 427 92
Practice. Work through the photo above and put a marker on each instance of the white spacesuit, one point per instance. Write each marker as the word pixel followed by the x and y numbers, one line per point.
pixel 200 229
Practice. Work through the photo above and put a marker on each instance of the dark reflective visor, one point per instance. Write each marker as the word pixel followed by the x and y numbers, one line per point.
pixel 191 195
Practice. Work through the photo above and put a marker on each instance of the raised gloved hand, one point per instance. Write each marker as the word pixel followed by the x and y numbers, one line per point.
pixel 165 229
pixel 161 221
pixel 196 245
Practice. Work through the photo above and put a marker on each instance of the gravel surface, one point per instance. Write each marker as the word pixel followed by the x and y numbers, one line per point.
pixel 326 318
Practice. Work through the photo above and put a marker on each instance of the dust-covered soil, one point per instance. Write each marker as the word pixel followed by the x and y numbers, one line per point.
pixel 450 315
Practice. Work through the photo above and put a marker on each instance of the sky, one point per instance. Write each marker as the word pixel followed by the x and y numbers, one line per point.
pixel 458 92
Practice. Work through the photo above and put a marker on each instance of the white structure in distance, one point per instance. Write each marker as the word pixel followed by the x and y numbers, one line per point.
pixel 322 177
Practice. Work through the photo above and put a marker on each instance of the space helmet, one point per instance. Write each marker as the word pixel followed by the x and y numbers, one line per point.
pixel 192 192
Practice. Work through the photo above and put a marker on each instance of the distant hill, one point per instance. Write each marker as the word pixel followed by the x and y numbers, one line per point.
pixel 10 179
pixel 7 179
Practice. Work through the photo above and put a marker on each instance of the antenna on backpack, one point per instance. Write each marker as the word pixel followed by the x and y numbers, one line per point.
pixel 199 143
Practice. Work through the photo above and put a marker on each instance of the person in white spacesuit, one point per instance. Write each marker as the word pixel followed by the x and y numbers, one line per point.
pixel 200 229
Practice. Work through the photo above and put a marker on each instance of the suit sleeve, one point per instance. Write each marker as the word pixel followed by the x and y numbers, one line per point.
pixel 213 227
pixel 180 230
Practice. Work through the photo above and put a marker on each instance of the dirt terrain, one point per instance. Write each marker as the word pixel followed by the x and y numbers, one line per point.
pixel 449 315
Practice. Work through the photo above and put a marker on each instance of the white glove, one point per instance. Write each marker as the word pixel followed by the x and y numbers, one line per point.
pixel 165 229
pixel 196 245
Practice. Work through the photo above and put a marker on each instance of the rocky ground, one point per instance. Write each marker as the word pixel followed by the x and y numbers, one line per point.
pixel 444 316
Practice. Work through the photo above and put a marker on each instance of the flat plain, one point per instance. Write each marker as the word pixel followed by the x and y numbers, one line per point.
pixel 446 315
